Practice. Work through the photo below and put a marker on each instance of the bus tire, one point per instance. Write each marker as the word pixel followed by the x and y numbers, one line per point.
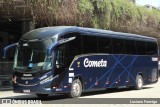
pixel 139 82
pixel 42 95
pixel 76 89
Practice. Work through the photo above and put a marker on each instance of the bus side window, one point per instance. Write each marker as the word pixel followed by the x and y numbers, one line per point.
pixel 118 46
pixel 105 45
pixel 151 48
pixel 71 48
pixel 90 44
pixel 141 47
pixel 130 47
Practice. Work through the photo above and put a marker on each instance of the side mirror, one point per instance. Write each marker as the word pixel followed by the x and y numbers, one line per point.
pixel 6 49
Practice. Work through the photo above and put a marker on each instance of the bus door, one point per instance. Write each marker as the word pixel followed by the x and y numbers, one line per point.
pixel 59 65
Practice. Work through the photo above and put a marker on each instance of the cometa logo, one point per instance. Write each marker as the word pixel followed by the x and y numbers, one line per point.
pixel 100 63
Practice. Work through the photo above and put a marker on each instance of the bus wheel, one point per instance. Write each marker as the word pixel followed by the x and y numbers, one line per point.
pixel 139 82
pixel 42 95
pixel 76 89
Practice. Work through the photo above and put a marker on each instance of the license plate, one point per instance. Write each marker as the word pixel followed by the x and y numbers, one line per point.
pixel 27 91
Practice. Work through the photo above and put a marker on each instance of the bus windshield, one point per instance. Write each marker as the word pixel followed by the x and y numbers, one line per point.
pixel 32 55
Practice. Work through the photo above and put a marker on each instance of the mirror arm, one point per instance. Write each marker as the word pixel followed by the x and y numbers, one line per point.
pixel 7 47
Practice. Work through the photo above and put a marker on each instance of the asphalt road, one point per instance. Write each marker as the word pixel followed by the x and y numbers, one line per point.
pixel 149 91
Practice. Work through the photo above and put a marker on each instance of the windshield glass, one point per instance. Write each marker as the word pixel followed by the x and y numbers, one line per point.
pixel 32 55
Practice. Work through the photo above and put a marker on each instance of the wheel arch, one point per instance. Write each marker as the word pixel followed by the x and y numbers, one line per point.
pixel 79 76
pixel 139 84
pixel 140 73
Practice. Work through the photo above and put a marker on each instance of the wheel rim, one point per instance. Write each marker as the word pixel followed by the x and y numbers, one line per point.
pixel 76 89
pixel 140 82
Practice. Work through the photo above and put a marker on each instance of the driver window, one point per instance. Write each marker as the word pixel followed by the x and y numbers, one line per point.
pixel 60 56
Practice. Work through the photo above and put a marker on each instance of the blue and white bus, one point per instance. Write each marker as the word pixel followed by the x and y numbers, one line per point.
pixel 72 60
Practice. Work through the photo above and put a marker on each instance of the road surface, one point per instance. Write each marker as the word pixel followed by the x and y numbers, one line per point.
pixel 149 91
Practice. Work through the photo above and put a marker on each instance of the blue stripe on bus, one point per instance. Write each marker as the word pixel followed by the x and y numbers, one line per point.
pixel 108 70
pixel 131 64
pixel 125 67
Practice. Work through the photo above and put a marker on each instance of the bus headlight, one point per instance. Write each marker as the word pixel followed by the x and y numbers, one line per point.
pixel 14 79
pixel 47 80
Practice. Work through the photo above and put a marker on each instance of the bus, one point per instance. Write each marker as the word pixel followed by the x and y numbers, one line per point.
pixel 71 60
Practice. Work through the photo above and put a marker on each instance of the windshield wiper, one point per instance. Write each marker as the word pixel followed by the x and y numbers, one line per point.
pixel 38 68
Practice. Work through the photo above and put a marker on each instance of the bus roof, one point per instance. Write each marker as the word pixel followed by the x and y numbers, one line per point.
pixel 49 32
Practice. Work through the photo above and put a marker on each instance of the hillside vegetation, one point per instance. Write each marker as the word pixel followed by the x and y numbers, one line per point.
pixel 116 15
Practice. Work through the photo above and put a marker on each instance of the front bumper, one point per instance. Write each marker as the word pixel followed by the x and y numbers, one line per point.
pixel 41 89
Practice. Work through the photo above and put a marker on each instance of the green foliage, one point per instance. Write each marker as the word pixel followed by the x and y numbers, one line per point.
pixel 85 6
pixel 102 13
pixel 95 22
pixel 128 17
pixel 117 15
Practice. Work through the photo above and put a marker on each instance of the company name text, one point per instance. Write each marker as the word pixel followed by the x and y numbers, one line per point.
pixel 92 63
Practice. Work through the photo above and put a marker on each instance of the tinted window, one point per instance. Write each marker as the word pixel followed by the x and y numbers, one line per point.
pixel 151 48
pixel 73 48
pixel 89 44
pixel 105 45
pixel 130 47
pixel 60 55
pixel 118 46
pixel 141 47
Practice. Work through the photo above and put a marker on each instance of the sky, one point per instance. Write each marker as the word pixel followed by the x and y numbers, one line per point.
pixel 155 3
